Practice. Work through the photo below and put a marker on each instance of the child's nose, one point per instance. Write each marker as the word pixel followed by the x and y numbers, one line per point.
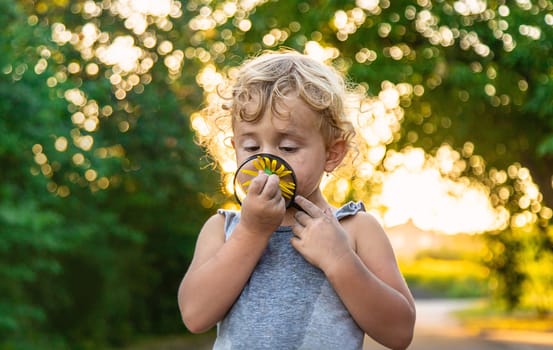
pixel 270 149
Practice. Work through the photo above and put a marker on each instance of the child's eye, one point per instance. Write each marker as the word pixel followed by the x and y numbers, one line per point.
pixel 251 148
pixel 288 149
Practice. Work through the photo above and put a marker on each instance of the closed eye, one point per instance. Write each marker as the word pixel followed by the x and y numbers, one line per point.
pixel 288 149
pixel 251 148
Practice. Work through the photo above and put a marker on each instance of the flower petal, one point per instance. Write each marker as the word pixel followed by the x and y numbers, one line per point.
pixel 245 184
pixel 249 172
pixel 258 164
pixel 288 184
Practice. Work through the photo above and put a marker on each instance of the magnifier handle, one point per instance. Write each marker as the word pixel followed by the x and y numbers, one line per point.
pixel 296 206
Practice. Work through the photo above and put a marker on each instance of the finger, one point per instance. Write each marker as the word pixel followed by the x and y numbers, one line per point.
pixel 302 218
pixel 295 241
pixel 280 201
pixel 272 188
pixel 258 184
pixel 297 230
pixel 309 207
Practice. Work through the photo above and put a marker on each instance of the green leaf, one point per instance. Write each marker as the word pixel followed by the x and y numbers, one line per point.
pixel 545 147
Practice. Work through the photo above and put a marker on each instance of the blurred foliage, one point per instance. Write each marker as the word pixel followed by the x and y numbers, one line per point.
pixel 93 240
pixel 486 317
pixel 520 260
pixel 446 278
pixel 449 268
pixel 102 190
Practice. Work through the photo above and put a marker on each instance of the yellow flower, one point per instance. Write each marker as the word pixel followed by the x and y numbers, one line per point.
pixel 270 166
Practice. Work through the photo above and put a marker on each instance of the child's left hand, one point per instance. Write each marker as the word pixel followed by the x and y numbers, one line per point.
pixel 319 237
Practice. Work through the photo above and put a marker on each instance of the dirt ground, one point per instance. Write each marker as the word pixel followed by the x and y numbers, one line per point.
pixel 436 329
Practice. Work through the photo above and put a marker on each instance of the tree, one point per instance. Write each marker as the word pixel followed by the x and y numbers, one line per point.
pixel 99 207
pixel 97 99
pixel 477 78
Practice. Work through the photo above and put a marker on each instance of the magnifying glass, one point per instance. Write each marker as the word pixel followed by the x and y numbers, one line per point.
pixel 269 164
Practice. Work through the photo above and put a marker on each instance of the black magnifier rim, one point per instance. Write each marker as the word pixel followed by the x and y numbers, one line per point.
pixel 271 156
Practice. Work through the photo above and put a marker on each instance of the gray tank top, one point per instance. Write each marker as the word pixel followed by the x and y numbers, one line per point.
pixel 287 302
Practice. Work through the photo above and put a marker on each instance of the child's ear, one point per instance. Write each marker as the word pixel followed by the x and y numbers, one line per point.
pixel 335 153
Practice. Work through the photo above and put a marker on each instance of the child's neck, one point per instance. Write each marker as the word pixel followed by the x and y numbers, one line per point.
pixel 316 198
pixel 289 219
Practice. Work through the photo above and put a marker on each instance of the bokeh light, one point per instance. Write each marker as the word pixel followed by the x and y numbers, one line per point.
pixel 446 190
pixel 429 190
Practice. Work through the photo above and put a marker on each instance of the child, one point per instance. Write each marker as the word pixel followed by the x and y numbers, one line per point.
pixel 272 277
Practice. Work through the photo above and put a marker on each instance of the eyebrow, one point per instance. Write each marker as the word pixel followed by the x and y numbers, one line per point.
pixel 290 133
pixel 287 133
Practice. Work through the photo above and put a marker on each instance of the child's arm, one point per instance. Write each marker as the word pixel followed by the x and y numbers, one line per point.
pixel 361 266
pixel 217 274
pixel 219 270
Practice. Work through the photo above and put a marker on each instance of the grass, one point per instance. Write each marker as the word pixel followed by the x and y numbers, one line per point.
pixel 486 317
pixel 446 278
pixel 185 341
pixel 455 277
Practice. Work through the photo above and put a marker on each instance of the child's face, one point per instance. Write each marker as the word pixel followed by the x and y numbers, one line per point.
pixel 293 136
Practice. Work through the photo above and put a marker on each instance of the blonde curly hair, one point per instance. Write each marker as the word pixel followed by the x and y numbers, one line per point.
pixel 265 81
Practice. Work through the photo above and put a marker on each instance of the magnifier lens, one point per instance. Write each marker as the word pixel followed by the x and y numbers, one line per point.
pixel 269 164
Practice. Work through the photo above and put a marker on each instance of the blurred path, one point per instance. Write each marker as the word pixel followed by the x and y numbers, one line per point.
pixel 437 329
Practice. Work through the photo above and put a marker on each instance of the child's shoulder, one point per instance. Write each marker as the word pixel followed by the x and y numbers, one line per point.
pixel 358 221
pixel 216 220
pixel 356 212
pixel 349 209
pixel 226 218
pixel 227 212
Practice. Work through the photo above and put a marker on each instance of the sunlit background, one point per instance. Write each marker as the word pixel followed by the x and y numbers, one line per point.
pixel 431 190
pixel 451 106
pixel 438 189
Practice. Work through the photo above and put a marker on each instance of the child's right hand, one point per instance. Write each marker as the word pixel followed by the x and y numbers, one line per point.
pixel 264 207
